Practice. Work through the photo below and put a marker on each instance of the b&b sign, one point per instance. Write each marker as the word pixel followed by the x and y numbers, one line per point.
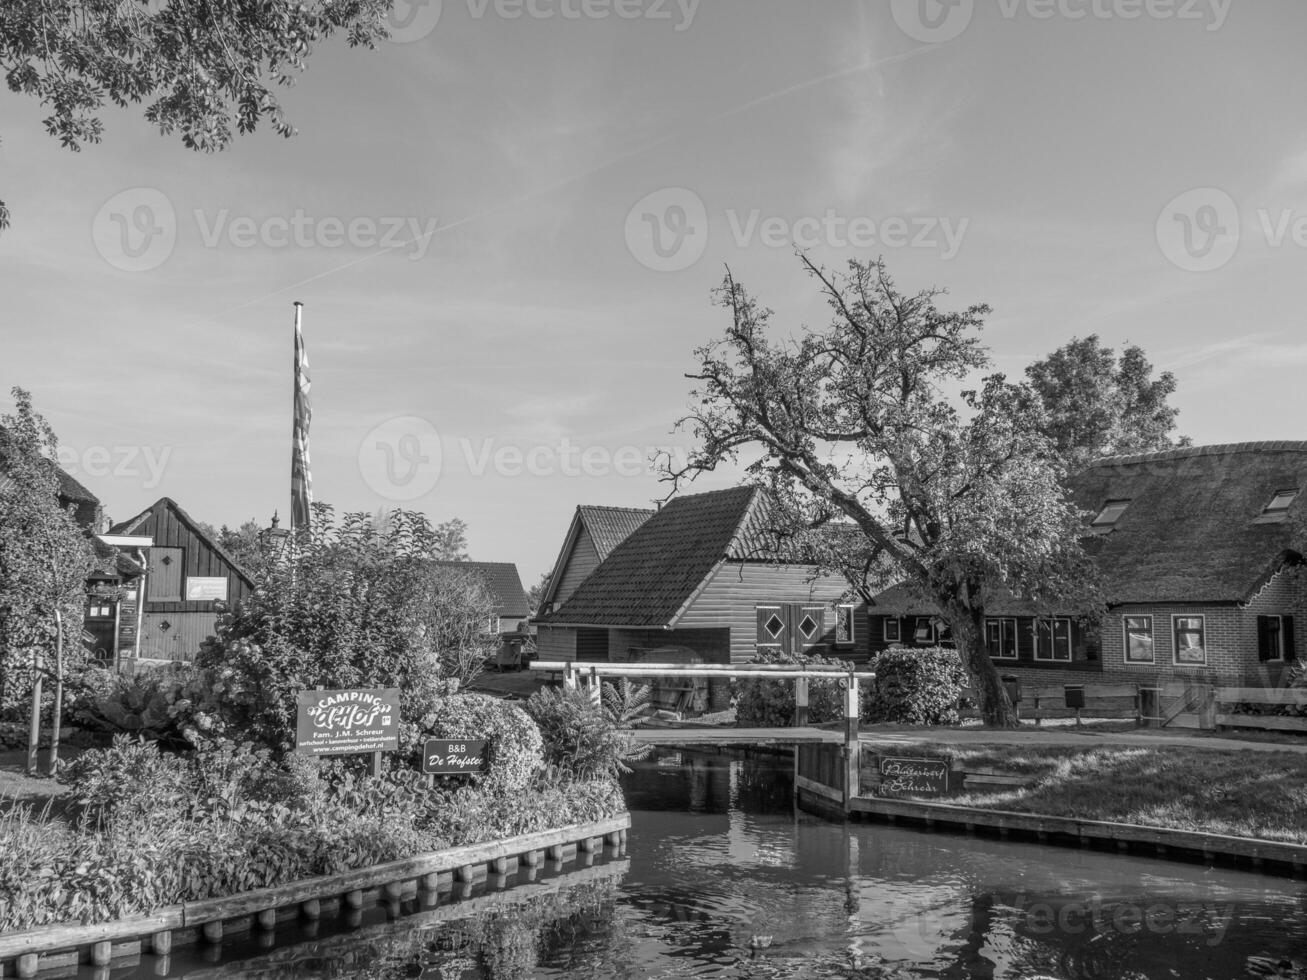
pixel 913 777
pixel 446 757
pixel 345 722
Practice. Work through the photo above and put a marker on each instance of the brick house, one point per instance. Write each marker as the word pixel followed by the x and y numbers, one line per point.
pixel 699 581
pixel 591 538
pixel 1198 552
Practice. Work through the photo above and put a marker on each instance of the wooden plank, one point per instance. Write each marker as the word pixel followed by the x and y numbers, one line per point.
pixel 817 789
pixel 704 670
pixel 1278 722
pixel 1263 695
pixel 70 936
pixel 1294 854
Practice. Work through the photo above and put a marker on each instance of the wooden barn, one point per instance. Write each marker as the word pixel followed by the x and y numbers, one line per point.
pixel 187 576
pixel 591 538
pixel 699 581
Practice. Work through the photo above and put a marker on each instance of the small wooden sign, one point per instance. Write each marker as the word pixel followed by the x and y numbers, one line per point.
pixel 345 722
pixel 450 756
pixel 913 777
pixel 206 588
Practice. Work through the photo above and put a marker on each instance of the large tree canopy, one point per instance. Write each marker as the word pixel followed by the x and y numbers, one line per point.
pixel 861 423
pixel 1098 404
pixel 200 66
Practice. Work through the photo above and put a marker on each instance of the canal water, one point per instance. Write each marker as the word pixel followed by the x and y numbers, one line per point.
pixel 722 878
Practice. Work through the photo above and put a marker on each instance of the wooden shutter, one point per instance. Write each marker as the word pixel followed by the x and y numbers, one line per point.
pixel 807 624
pixel 163 581
pixel 773 629
pixel 1286 627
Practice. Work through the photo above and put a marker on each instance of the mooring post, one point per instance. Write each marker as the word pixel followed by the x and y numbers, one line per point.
pixel 852 750
pixel 569 677
pixel 596 689
pixel 800 702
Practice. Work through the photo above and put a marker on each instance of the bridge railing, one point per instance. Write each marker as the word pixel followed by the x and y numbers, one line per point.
pixel 590 675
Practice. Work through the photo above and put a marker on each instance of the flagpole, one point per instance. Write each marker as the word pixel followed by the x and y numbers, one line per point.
pixel 300 492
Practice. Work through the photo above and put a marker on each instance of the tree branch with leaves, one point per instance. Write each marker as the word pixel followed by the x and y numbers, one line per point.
pixel 883 462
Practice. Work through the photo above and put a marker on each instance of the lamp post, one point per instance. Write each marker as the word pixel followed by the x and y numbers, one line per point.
pixel 274 541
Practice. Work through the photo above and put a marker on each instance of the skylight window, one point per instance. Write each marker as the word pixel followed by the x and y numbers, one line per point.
pixel 1278 509
pixel 1109 515
pixel 1280 502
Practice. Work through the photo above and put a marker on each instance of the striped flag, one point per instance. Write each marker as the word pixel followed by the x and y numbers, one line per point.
pixel 301 481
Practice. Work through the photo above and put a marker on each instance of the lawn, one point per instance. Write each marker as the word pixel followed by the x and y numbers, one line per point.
pixel 1240 794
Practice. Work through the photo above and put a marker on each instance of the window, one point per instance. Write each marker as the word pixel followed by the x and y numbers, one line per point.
pixel 892 631
pixel 1109 515
pixel 1275 638
pixel 1277 510
pixel 99 608
pixel 844 625
pixel 1138 633
pixel 1001 638
pixel 1190 640
pixel 924 631
pixel 493 625
pixel 1053 639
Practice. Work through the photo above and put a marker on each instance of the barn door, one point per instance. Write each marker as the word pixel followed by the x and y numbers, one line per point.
pixel 809 625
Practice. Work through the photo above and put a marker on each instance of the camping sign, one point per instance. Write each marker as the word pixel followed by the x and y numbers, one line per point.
pixel 347 721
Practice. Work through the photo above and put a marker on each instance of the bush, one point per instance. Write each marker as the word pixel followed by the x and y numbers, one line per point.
pixel 915 687
pixel 583 739
pixel 766 703
pixel 516 748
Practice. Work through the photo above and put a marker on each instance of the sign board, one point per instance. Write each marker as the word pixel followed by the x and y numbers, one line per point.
pixel 128 609
pixel 202 589
pixel 447 756
pixel 913 777
pixel 345 722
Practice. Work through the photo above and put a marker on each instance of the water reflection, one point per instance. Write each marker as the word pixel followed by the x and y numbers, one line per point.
pixel 725 879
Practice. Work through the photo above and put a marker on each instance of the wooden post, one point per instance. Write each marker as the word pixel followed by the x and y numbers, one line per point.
pixel 800 702
pixel 58 690
pixel 852 748
pixel 34 732
pixel 595 689
pixel 569 677
pixel 375 768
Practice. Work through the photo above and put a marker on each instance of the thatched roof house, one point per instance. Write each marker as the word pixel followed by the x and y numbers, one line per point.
pixel 1199 550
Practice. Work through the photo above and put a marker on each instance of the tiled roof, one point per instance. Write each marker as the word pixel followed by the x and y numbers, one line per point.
pixel 69 489
pixel 610 526
pixel 648 577
pixel 1191 531
pixel 503 581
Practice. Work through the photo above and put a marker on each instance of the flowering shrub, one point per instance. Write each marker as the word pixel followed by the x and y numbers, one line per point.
pixel 515 749
pixel 582 738
pixel 916 687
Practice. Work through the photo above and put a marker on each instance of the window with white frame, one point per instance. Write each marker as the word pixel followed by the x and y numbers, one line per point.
pixel 493 625
pixel 891 627
pixel 1001 638
pixel 844 628
pixel 1190 634
pixel 98 607
pixel 1137 636
pixel 1053 640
